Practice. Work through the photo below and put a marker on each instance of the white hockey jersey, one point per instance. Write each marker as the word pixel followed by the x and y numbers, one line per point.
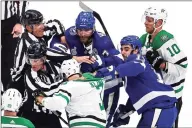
pixel 176 66
pixel 82 100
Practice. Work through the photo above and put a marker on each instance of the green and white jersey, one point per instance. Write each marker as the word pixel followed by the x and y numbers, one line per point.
pixel 15 122
pixel 176 66
pixel 82 100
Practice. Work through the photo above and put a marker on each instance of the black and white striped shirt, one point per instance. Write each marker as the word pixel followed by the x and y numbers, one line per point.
pixel 47 81
pixel 11 8
pixel 54 27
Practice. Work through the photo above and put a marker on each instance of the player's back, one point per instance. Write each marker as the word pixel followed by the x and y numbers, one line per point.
pixel 85 96
pixel 15 122
pixel 86 103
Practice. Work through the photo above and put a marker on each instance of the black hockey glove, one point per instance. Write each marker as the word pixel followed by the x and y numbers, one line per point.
pixel 121 116
pixel 38 93
pixel 154 59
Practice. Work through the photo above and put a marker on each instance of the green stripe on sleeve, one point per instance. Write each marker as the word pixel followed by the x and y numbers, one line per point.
pixel 63 96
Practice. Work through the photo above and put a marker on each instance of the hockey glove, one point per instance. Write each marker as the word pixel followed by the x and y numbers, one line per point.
pixel 108 73
pixel 154 59
pixel 36 94
pixel 121 116
pixel 98 63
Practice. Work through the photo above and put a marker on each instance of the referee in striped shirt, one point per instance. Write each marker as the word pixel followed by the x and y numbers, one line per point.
pixel 10 30
pixel 35 30
pixel 45 76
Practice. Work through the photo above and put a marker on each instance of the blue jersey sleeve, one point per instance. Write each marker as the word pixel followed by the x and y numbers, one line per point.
pixel 111 56
pixel 131 67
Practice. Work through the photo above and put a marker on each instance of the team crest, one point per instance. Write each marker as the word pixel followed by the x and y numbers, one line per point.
pixel 164 38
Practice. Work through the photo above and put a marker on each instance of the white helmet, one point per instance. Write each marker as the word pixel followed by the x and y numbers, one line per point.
pixel 70 67
pixel 156 13
pixel 11 100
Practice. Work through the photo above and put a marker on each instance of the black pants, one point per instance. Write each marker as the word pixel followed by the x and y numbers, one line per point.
pixel 43 120
pixel 8 45
pixel 178 106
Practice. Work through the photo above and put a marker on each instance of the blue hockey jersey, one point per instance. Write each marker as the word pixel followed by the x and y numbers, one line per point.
pixel 144 86
pixel 102 46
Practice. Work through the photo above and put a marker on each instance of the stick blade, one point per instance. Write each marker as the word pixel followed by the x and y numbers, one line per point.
pixel 85 7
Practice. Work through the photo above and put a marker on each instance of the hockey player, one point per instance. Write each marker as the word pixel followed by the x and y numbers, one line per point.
pixel 81 96
pixel 42 75
pixel 11 102
pixel 85 42
pixel 147 93
pixel 166 56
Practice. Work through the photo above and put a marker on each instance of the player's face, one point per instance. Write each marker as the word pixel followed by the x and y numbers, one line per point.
pixel 38 30
pixel 126 50
pixel 37 64
pixel 149 24
pixel 84 34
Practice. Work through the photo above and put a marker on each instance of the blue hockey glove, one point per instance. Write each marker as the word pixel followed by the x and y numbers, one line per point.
pixel 99 62
pixel 154 59
pixel 121 116
pixel 108 73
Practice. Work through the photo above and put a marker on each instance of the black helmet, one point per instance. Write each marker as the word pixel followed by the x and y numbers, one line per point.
pixel 36 50
pixel 31 17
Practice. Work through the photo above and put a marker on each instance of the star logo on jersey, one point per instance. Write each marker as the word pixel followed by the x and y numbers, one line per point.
pixel 164 38
pixel 12 122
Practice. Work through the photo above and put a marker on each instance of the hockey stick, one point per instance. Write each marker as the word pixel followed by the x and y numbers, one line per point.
pixel 86 8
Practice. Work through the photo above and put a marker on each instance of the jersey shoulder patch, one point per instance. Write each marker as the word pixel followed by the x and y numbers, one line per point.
pixel 161 38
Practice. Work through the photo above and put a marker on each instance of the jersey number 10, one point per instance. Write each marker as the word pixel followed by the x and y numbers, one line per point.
pixel 173 50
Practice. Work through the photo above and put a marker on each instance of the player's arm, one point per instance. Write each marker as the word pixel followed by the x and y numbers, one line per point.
pixel 19 60
pixel 57 56
pixel 172 60
pixel 131 68
pixel 176 62
pixel 53 27
pixel 113 56
pixel 58 101
pixel 110 56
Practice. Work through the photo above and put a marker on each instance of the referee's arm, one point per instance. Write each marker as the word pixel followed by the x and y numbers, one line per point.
pixel 34 82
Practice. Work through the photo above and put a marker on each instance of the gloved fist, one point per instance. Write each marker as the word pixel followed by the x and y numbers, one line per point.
pixel 108 73
pixel 121 116
pixel 154 59
pixel 38 94
pixel 99 62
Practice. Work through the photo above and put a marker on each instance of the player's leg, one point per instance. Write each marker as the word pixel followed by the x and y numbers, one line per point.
pixel 110 103
pixel 178 106
pixel 158 117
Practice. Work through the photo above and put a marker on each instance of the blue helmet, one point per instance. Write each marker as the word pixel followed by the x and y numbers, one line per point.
pixel 85 20
pixel 132 40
